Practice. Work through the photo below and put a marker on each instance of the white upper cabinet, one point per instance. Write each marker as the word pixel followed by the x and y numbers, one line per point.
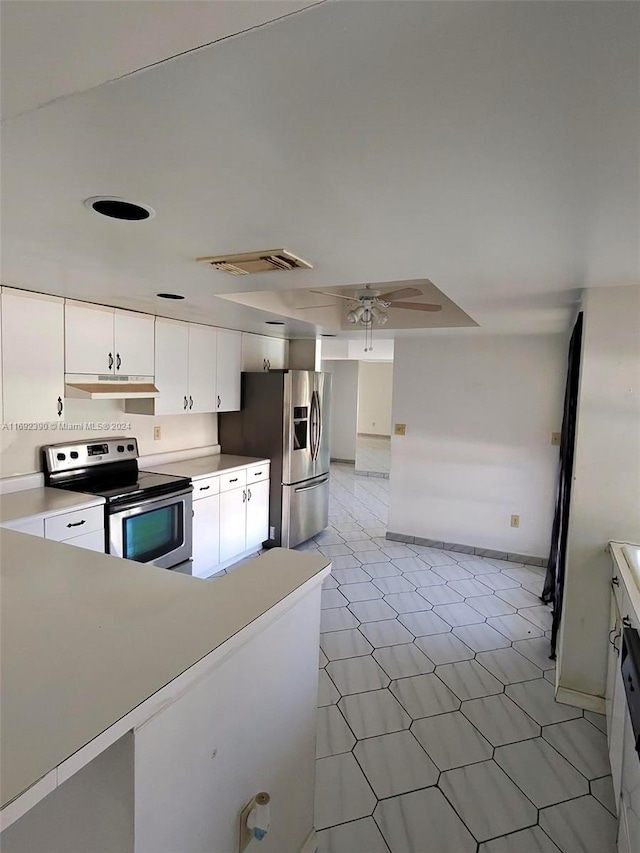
pixel 260 352
pixel 187 366
pixel 229 370
pixel 202 368
pixel 88 342
pixel 32 357
pixel 171 369
pixel 102 340
pixel 276 353
pixel 134 337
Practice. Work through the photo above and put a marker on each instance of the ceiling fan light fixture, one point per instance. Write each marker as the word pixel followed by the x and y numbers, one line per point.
pixel 379 316
pixel 352 317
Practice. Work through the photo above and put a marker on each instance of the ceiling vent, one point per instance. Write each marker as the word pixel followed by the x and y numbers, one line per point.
pixel 251 262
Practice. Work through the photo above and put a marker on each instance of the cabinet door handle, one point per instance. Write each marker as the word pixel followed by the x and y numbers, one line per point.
pixel 268 364
pixel 204 488
pixel 110 361
pixel 60 406
pixel 190 402
pixel 219 403
pixel 257 473
pixel 76 523
pixel 615 581
pixel 244 495
pixel 264 363
pixel 235 480
pixel 186 403
pixel 118 361
pixel 626 621
pixel 248 494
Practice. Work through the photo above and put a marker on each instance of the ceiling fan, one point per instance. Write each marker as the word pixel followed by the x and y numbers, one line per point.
pixel 370 305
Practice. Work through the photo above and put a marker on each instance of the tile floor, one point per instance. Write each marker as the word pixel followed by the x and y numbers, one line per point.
pixel 438 731
pixel 373 453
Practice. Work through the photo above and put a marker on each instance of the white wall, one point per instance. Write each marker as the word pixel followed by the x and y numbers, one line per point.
pixel 344 407
pixel 19 451
pixel 479 412
pixel 605 500
pixel 375 389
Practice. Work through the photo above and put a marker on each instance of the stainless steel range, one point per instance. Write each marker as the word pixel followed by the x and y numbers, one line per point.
pixel 148 517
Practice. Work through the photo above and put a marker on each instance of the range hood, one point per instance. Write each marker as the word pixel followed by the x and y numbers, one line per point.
pixel 105 386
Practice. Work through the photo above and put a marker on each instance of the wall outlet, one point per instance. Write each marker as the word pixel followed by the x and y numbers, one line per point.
pixel 157 433
pixel 555 439
pixel 515 521
pixel 400 429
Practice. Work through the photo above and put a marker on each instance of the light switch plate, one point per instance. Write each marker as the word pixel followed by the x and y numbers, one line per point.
pixel 157 432
pixel 400 429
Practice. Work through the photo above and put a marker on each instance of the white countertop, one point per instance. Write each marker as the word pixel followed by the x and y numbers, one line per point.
pixel 626 557
pixel 206 466
pixel 39 503
pixel 87 637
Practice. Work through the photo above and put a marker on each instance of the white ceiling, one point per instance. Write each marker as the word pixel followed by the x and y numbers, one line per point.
pixel 53 48
pixel 490 147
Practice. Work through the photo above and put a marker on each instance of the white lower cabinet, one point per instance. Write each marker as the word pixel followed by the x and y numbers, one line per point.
pixel 206 533
pixel 233 523
pixel 625 761
pixel 257 508
pixel 244 513
pixel 32 526
pixel 93 541
pixel 83 528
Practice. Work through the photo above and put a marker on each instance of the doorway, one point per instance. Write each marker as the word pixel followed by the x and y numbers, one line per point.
pixel 373 430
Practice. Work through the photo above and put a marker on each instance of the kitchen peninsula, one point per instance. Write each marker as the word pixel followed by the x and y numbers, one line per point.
pixel 142 709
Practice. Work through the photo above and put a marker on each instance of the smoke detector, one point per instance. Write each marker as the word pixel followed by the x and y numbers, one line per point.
pixel 248 263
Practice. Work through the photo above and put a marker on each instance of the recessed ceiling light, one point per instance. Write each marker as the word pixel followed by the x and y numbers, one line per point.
pixel 119 208
pixel 169 296
pixel 274 323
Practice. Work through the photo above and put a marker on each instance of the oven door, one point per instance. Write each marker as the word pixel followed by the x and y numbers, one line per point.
pixel 156 531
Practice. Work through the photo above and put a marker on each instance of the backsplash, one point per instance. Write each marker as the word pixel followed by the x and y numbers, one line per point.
pixel 84 419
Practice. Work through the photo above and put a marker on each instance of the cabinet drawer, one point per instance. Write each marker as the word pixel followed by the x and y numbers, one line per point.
pixel 258 472
pixel 33 526
pixel 206 487
pixel 93 541
pixel 233 480
pixel 71 524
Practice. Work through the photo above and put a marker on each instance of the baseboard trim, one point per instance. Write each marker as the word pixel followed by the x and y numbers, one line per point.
pixel 343 461
pixel 381 475
pixel 373 435
pixel 472 550
pixel 581 700
pixel 311 843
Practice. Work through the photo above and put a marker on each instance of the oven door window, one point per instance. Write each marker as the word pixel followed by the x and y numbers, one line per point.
pixel 154 533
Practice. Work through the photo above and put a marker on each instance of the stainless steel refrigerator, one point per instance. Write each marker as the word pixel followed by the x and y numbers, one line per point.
pixel 285 417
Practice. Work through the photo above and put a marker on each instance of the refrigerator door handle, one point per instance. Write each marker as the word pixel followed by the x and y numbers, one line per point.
pixel 315 486
pixel 319 434
pixel 315 426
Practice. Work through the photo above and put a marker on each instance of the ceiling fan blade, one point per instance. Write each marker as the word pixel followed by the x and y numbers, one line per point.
pixel 336 295
pixel 416 306
pixel 404 293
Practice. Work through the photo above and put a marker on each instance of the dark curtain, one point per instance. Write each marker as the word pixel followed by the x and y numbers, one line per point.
pixel 554 581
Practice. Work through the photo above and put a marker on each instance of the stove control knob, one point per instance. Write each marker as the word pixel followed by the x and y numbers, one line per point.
pixel 74 454
pixel 60 457
pixel 121 448
pixel 130 447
